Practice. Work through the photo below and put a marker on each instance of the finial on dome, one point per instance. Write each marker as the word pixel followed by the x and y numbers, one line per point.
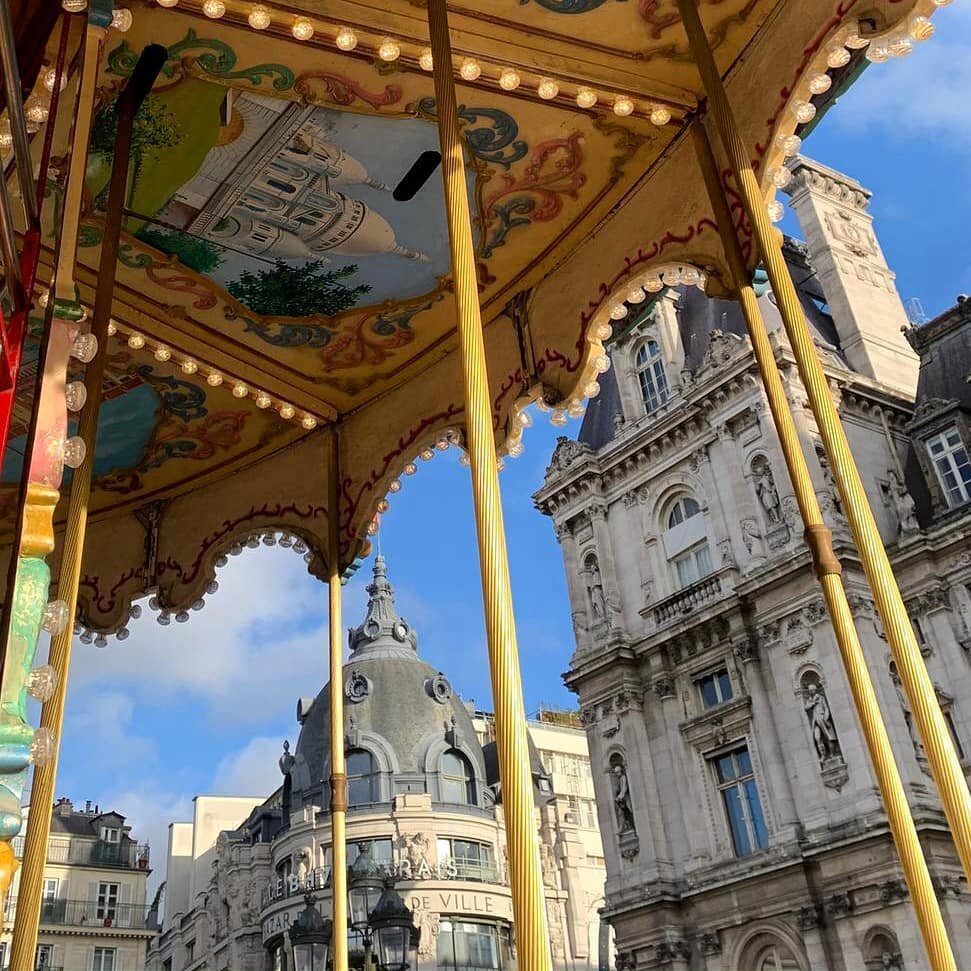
pixel 382 627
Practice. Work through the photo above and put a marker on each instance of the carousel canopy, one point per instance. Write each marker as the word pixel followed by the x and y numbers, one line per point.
pixel 280 271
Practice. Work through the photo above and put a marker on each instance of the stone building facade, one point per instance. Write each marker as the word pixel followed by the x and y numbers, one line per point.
pixel 742 826
pixel 94 914
pixel 422 793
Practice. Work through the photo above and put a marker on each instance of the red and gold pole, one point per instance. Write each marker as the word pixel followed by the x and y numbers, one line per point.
pixel 529 910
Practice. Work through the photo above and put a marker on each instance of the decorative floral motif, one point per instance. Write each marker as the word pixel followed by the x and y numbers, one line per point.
pixel 336 89
pixel 496 144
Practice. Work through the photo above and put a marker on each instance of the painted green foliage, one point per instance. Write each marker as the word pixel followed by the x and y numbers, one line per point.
pixel 198 254
pixel 297 291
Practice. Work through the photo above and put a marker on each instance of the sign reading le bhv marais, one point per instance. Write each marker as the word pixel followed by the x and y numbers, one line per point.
pixel 319 877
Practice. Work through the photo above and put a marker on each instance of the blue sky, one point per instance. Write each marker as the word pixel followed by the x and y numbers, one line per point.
pixel 203 707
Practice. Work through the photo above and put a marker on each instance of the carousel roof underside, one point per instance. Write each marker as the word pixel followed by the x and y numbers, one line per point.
pixel 270 283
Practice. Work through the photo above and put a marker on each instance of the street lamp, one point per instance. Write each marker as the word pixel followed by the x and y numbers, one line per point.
pixel 310 936
pixel 395 934
pixel 364 889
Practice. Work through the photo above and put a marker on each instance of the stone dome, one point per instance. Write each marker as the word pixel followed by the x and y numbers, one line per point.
pixel 398 710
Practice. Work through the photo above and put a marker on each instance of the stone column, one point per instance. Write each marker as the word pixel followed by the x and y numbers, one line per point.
pixel 766 733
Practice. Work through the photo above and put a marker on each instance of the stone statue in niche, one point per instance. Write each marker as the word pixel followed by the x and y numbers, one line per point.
pixel 595 591
pixel 766 491
pixel 821 722
pixel 833 492
pixel 752 537
pixel 548 866
pixel 621 793
pixel 903 505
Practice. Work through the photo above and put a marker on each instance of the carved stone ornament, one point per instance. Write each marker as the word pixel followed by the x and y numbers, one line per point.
pixel 747 650
pixel 807 918
pixel 663 687
pixel 892 891
pixel 567 452
pixel 667 951
pixel 439 688
pixel 839 905
pixel 610 725
pixel 799 637
pixel 710 943
pixel 357 687
pixel 626 961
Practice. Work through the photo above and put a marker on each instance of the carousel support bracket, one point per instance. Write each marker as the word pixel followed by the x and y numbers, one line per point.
pixel 338 777
pixel 27 921
pixel 529 910
pixel 828 570
pixel 932 728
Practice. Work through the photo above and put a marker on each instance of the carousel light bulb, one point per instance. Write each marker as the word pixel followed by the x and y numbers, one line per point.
pixel 287 411
pixel 240 390
pixel 167 3
pixel 259 17
pixel 86 637
pixel 410 469
pixel 942 3
pixel 425 59
pixel 302 29
pixel 122 633
pixel 464 460
pixel 509 79
pixel 690 276
pixel 389 50
pixel 74 451
pixel 837 56
pixel 263 400
pixel 575 408
pixel 790 144
pixel 660 116
pixel 189 366
pixel 470 69
pixel 820 83
pixel 780 177
pixel 901 46
pixel 618 311
pixel 269 539
pixel 558 418
pixel 653 284
pixel 163 353
pixel 515 450
pixel 671 277
pixel 112 328
pixel 55 618
pixel 601 364
pixel 135 612
pixel 85 347
pixel 41 683
pixel 121 19
pixel 426 454
pixel 372 528
pixel 586 97
pixel 214 379
pixel 74 6
pixel 309 422
pixel 214 9
pixel 136 342
pixel 525 419
pixel 50 79
pixel 854 40
pixel 42 747
pixel 547 89
pixel 921 28
pixel 636 295
pixel 591 389
pixel 603 332
pixel 383 505
pixel 37 111
pixel 442 445
pixel 878 53
pixel 6 139
pixel 623 106
pixel 776 210
pixel 75 395
pixel 346 40
pixel 804 111
pixel 394 485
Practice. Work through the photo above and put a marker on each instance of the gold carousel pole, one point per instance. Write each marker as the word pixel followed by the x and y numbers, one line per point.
pixel 338 775
pixel 933 730
pixel 529 911
pixel 27 920
pixel 819 540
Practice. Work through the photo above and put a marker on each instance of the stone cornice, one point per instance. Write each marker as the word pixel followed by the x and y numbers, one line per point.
pixel 808 174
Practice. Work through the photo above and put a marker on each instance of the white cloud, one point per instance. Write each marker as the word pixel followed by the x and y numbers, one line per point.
pixel 252 771
pixel 924 94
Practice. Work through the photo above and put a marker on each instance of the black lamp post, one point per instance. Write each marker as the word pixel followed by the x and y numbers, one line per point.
pixel 310 937
pixel 395 934
pixel 364 889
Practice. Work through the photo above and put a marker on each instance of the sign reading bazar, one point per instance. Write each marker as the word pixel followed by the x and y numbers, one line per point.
pixel 445 903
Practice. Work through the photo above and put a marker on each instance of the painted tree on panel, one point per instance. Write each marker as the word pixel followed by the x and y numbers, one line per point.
pixel 298 291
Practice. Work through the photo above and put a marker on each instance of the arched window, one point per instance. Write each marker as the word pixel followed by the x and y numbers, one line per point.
pixel 882 951
pixel 363 780
pixel 776 957
pixel 686 540
pixel 456 779
pixel 650 374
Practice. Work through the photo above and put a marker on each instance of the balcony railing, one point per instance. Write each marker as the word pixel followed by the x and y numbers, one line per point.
pixel 87 913
pixel 480 872
pixel 686 601
pixel 82 852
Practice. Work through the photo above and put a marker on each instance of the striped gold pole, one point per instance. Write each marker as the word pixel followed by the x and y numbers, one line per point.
pixel 941 755
pixel 338 774
pixel 529 911
pixel 828 570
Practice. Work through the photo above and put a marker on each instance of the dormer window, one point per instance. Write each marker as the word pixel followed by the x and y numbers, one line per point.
pixel 110 834
pixel 650 374
pixel 457 779
pixel 950 459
